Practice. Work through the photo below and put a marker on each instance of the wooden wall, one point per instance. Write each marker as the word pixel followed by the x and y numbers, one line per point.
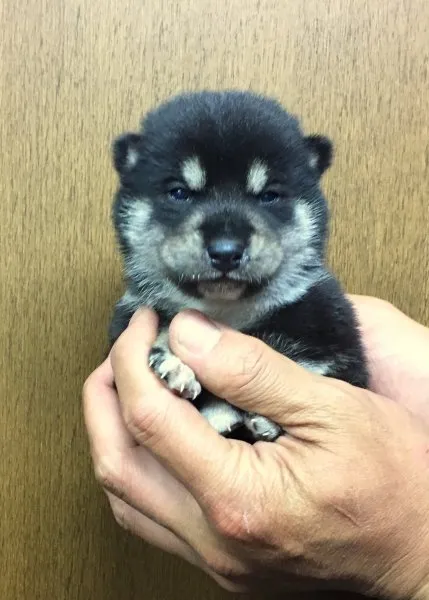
pixel 74 73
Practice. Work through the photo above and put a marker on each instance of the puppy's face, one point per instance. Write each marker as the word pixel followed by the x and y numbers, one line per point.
pixel 219 194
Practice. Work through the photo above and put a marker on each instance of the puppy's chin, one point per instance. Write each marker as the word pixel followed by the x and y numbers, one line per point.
pixel 225 290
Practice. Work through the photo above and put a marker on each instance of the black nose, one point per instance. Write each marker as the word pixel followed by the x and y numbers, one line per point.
pixel 226 254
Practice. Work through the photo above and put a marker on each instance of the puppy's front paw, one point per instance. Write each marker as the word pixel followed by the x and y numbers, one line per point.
pixel 177 376
pixel 221 415
pixel 262 428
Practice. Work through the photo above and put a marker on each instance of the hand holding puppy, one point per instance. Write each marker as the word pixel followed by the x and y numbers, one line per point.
pixel 341 502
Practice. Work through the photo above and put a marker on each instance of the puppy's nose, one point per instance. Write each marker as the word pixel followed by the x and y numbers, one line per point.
pixel 226 254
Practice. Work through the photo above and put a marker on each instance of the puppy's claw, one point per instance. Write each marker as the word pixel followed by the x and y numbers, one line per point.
pixel 262 428
pixel 179 377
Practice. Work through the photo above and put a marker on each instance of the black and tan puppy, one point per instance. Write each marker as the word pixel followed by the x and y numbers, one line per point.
pixel 220 209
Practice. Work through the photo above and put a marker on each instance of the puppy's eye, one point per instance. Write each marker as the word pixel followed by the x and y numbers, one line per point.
pixel 268 197
pixel 179 194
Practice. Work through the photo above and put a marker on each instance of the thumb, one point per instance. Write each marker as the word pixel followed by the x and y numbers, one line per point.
pixel 246 372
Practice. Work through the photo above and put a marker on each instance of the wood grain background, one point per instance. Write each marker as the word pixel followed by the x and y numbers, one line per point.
pixel 74 73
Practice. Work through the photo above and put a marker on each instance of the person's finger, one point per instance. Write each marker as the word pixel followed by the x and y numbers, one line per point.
pixel 139 524
pixel 390 335
pixel 247 372
pixel 397 348
pixel 130 471
pixel 102 418
pixel 171 428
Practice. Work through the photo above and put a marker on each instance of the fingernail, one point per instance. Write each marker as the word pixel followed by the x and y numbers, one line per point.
pixel 196 333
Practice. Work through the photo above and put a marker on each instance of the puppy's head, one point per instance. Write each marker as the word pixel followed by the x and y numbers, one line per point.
pixel 219 194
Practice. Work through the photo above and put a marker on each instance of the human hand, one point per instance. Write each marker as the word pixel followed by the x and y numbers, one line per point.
pixel 398 349
pixel 328 505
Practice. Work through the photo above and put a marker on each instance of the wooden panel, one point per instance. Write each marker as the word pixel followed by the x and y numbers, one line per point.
pixel 73 74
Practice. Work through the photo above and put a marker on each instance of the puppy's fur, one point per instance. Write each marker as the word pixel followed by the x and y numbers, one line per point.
pixel 219 209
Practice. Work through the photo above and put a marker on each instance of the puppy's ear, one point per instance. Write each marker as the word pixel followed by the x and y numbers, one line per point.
pixel 126 152
pixel 321 152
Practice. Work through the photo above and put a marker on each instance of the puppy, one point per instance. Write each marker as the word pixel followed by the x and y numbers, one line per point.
pixel 219 208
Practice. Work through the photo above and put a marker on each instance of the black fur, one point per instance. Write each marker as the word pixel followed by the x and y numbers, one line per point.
pixel 227 131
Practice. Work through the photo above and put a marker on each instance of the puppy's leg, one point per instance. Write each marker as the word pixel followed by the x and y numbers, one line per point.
pixel 221 415
pixel 172 370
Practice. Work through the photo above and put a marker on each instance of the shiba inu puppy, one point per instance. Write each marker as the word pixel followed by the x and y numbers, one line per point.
pixel 219 208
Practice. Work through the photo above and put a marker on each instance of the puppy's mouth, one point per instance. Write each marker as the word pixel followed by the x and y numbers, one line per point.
pixel 221 289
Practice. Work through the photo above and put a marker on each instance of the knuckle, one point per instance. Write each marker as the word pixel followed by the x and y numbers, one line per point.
pixel 225 566
pixel 120 513
pixel 109 474
pixel 104 473
pixel 233 523
pixel 230 526
pixel 145 425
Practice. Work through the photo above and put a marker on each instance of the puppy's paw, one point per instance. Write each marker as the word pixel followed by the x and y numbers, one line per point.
pixel 177 375
pixel 262 428
pixel 221 415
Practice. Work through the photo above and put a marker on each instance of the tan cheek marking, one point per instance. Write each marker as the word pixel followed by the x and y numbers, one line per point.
pixel 187 240
pixel 256 245
pixel 304 221
pixel 189 245
pixel 193 222
pixel 266 251
pixel 192 241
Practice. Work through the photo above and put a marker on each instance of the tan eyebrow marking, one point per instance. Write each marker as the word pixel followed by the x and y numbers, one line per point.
pixel 194 174
pixel 257 177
